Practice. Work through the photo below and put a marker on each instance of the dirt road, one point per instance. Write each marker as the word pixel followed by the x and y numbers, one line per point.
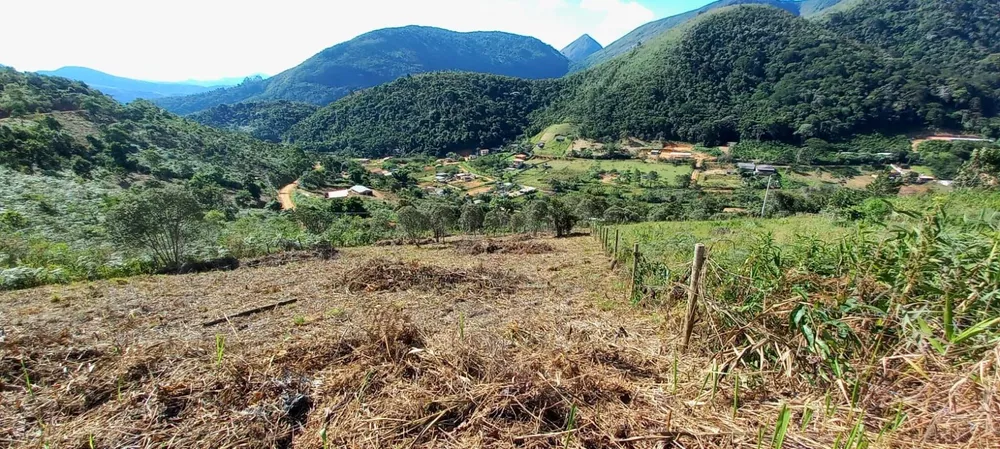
pixel 285 196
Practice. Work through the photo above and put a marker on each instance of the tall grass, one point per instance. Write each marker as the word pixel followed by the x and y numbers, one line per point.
pixel 848 300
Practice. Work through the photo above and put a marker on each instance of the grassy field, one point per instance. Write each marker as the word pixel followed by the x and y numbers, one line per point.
pixel 537 177
pixel 553 147
pixel 673 243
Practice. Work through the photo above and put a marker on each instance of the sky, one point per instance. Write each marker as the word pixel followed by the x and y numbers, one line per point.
pixel 174 40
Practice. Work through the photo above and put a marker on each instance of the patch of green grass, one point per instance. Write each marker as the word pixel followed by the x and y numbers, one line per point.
pixel 673 243
pixel 536 176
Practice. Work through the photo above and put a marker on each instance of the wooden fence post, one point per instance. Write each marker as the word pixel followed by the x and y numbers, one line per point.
pixel 635 272
pixel 617 239
pixel 696 267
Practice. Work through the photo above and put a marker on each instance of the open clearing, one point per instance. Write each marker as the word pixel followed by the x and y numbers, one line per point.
pixel 538 177
pixel 513 343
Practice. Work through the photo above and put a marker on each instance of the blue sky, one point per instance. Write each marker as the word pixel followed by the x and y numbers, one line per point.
pixel 173 40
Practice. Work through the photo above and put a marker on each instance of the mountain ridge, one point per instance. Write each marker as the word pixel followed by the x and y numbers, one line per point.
pixel 581 48
pixel 657 27
pixel 121 88
pixel 387 54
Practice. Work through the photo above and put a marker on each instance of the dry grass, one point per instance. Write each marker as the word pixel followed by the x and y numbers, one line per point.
pixel 405 364
pixel 493 246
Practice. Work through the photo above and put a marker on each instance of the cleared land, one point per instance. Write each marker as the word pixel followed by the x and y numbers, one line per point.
pixel 519 343
pixel 538 177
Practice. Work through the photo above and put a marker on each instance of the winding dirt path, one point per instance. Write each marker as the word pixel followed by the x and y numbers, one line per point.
pixel 285 196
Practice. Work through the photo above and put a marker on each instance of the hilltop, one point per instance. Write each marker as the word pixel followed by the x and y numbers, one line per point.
pixel 652 30
pixel 384 55
pixel 737 73
pixel 581 48
pixel 431 113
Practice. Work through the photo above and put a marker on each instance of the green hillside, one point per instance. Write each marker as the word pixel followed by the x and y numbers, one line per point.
pixel 433 113
pixel 265 120
pixel 381 56
pixel 752 72
pixel 652 30
pixel 954 44
pixel 49 123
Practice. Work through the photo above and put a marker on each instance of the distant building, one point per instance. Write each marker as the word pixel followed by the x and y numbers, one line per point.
pixel 655 153
pixel 746 166
pixel 924 179
pixel 484 152
pixel 541 145
pixel 766 170
pixel 517 164
pixel 442 177
pixel 357 190
pixel 680 155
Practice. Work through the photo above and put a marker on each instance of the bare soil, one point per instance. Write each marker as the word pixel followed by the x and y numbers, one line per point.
pixel 413 348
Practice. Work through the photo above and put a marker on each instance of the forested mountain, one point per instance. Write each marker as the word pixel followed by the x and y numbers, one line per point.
pixel 955 44
pixel 652 30
pixel 54 124
pixel 384 55
pixel 125 89
pixel 753 72
pixel 265 120
pixel 434 113
pixel 581 48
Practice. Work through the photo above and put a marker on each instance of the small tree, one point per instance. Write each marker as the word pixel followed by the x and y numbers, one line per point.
pixel 472 218
pixel 536 215
pixel 413 222
pixel 563 219
pixel 165 222
pixel 496 220
pixel 441 217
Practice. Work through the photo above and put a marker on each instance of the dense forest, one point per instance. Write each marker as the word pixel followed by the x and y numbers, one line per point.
pixel 265 120
pixel 758 73
pixel 434 113
pixel 652 30
pixel 950 49
pixel 383 55
pixel 739 73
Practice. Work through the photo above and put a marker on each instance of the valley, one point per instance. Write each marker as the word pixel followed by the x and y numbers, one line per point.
pixel 761 223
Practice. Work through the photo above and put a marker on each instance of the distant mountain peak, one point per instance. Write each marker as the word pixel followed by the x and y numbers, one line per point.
pixel 581 48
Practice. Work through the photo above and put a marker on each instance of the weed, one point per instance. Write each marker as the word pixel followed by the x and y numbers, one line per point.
pixel 736 395
pixel 781 427
pixel 220 348
pixel 570 425
pixel 27 380
pixel 807 416
pixel 300 320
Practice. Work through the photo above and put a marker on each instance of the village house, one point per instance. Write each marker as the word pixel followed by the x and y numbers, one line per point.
pixel 442 177
pixel 766 170
pixel 357 190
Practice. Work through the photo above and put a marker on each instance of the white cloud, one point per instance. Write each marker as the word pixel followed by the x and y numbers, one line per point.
pixel 181 39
